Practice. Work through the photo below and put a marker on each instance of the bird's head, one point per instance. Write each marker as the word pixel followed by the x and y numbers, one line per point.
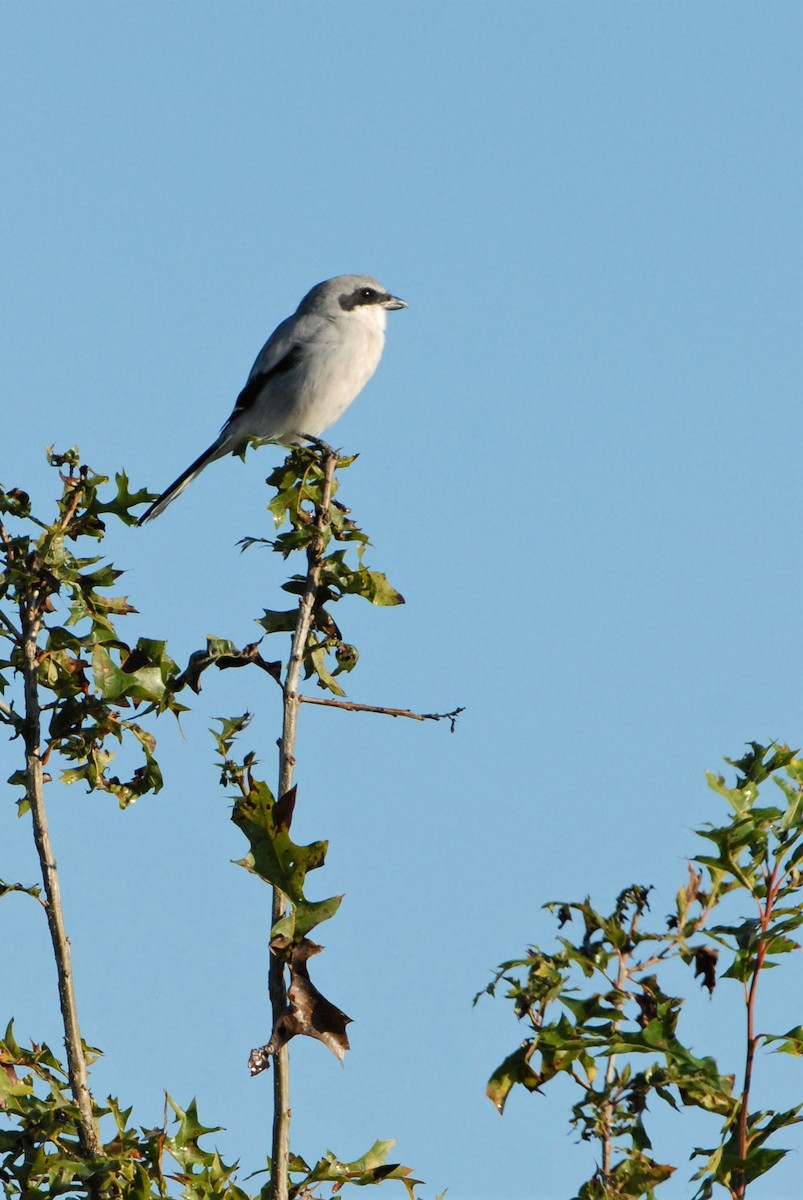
pixel 359 296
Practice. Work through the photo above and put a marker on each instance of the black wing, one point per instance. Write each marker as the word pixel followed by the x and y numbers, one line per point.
pixel 256 383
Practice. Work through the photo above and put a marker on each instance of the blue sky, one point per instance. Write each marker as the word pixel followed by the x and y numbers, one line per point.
pixel 577 462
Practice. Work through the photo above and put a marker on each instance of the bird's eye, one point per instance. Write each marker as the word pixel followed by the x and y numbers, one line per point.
pixel 368 293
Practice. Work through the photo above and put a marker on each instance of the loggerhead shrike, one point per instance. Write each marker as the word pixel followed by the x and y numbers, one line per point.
pixel 307 373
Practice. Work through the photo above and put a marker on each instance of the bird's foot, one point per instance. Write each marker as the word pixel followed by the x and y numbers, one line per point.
pixel 319 444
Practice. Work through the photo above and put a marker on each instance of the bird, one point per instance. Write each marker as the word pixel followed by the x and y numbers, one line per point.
pixel 306 375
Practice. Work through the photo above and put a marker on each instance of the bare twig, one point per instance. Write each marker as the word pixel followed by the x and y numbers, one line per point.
pixel 76 1058
pixel 11 627
pixel 351 706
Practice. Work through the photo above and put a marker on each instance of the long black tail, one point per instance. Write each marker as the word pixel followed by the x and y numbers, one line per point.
pixel 184 480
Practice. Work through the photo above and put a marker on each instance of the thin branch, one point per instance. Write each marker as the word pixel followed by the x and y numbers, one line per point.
pixel 751 1039
pixel 645 964
pixel 301 633
pixel 78 484
pixel 11 627
pixel 76 1058
pixel 610 1073
pixel 582 1083
pixel 351 706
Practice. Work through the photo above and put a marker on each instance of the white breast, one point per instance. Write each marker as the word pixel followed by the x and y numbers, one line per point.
pixel 340 356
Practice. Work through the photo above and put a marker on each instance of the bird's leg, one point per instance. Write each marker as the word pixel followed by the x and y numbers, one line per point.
pixel 319 444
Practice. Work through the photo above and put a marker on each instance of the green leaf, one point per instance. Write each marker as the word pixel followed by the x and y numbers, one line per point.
pixel 303 917
pixel 124 501
pixel 634 1176
pixel 223 654
pixel 190 1129
pixel 274 856
pixel 372 1168
pixel 378 590
pixel 514 1069
pixel 230 729
pixel 34 890
pixel 316 660
pixel 116 685
pixel 279 621
pixel 791 1042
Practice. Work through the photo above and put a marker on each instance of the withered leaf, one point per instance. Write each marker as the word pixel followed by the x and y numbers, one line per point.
pixel 693 886
pixel 283 809
pixel 135 660
pixel 648 1008
pixel 223 654
pixel 308 1012
pixel 705 964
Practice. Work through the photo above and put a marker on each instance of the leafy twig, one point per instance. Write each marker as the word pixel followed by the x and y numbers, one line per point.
pixel 280 1179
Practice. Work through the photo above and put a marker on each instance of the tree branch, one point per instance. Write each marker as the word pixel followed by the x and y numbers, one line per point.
pixel 280 1178
pixel 351 706
pixel 610 1074
pixel 76 1058
pixel 11 627
pixel 752 1041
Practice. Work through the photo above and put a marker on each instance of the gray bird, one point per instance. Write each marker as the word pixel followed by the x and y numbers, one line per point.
pixel 307 373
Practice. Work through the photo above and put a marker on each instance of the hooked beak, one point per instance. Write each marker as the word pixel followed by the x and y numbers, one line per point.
pixel 391 303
